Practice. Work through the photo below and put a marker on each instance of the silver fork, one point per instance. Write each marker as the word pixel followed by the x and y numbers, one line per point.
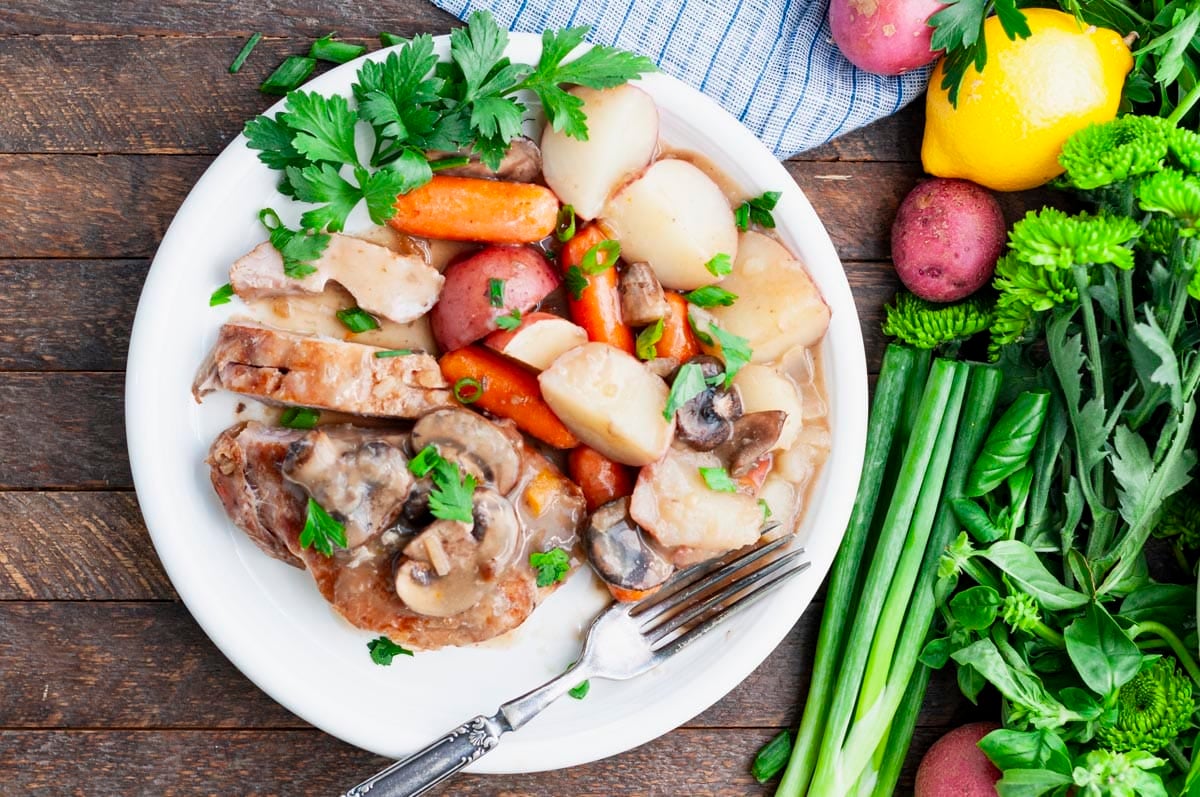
pixel 624 641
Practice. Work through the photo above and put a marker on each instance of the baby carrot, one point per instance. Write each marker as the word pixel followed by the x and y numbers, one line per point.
pixel 504 388
pixel 601 479
pixel 470 209
pixel 595 306
pixel 677 339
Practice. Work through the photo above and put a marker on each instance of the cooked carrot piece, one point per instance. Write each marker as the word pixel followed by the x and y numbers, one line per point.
pixel 631 595
pixel 508 390
pixel 470 209
pixel 598 308
pixel 752 482
pixel 601 479
pixel 677 339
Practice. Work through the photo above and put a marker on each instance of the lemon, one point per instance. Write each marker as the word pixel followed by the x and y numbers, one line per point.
pixel 1013 118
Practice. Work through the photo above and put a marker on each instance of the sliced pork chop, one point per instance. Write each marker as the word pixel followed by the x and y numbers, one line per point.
pixel 384 282
pixel 288 368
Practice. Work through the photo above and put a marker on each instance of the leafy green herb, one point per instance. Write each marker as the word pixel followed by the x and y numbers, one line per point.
pixel 299 417
pixel 757 210
pixel 601 257
pixel 646 340
pixel 509 321
pixel 1010 443
pixel 720 265
pixel 718 479
pixel 326 49
pixel 357 320
pixel 393 353
pixel 298 248
pixel 496 292
pixel 452 497
pixel 689 383
pixel 551 566
pixel 221 295
pixel 576 283
pixel 294 70
pixel 735 351
pixel 564 229
pixel 765 507
pixel 468 390
pixel 383 650
pixel 321 531
pixel 580 690
pixel 711 296
pixel 244 53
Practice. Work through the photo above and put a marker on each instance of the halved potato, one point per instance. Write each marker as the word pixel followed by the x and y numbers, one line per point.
pixel 763 388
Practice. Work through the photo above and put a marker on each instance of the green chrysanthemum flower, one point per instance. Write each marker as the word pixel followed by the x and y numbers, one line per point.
pixel 1100 155
pixel 1153 709
pixel 1026 291
pixel 1175 194
pixel 1184 146
pixel 1159 235
pixel 1180 518
pixel 1053 240
pixel 1108 774
pixel 926 325
pixel 1020 611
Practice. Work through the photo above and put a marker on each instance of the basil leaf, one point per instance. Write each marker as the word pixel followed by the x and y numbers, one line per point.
pixel 1101 651
pixel 976 607
pixel 976 520
pixel 937 653
pixel 1009 444
pixel 1041 749
pixel 1031 782
pixel 1022 564
pixel 1173 605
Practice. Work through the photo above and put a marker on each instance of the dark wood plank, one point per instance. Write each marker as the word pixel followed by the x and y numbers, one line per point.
pixel 152 667
pixel 892 138
pixel 77 546
pixel 64 315
pixel 62 430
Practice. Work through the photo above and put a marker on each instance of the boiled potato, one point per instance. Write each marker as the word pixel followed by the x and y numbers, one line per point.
pixel 610 401
pixel 622 127
pixel 675 218
pixel 761 387
pixel 778 305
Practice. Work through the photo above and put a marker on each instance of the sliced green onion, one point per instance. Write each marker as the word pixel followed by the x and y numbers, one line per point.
pixel 449 163
pixel 390 39
pixel 299 418
pixel 601 257
pixel 718 479
pixel 221 295
pixel 711 296
pixel 244 53
pixel 564 230
pixel 772 757
pixel 326 49
pixel 468 390
pixel 425 460
pixel 294 70
pixel 579 691
pixel 496 292
pixel 393 353
pixel 357 319
pixel 765 507
pixel 720 265
pixel 509 321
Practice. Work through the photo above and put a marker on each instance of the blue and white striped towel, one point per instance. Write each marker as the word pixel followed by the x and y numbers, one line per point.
pixel 770 63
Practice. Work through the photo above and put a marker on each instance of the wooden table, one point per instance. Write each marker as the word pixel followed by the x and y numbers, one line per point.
pixel 109 113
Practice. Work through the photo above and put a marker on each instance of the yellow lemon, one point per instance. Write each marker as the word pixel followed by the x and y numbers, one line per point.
pixel 1012 119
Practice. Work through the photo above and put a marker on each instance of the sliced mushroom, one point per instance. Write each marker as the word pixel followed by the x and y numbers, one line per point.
pixel 522 163
pixel 664 367
pixel 450 566
pixel 706 421
pixel 620 553
pixel 642 298
pixel 754 435
pixel 473 442
pixel 364 483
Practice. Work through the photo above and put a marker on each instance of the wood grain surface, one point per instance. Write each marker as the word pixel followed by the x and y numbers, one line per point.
pixel 107 686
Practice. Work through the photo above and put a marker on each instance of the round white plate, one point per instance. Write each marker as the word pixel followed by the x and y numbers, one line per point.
pixel 269 619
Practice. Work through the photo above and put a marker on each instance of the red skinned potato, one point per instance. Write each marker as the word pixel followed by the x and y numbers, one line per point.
pixel 886 37
pixel 956 767
pixel 464 312
pixel 946 239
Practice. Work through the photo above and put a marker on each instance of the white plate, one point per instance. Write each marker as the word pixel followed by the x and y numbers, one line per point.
pixel 269 619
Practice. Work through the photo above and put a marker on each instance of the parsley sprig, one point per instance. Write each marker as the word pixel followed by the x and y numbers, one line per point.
pixel 321 530
pixel 453 493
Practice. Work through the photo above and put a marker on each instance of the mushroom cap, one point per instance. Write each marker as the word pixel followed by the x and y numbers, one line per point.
pixel 620 553
pixel 754 435
pixel 473 442
pixel 706 420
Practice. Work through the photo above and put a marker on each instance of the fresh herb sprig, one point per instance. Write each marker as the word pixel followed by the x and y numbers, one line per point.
pixel 452 496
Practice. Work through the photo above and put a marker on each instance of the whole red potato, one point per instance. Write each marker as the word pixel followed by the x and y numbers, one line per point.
pixel 886 37
pixel 956 767
pixel 946 239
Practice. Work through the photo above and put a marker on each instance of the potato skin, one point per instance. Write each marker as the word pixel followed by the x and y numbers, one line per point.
pixel 956 767
pixel 464 314
pixel 887 37
pixel 946 239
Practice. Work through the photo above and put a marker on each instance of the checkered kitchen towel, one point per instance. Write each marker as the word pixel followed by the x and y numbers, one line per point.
pixel 770 63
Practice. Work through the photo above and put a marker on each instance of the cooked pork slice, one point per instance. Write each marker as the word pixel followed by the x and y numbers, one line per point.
pixel 288 368
pixel 382 281
pixel 522 163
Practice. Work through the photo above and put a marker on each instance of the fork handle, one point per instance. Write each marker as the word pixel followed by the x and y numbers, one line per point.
pixel 425 769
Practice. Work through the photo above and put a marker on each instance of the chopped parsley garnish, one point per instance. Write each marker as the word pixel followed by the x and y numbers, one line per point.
pixel 689 383
pixel 468 390
pixel 244 53
pixel 297 247
pixel 718 479
pixel 294 70
pixel 321 531
pixel 509 321
pixel 551 566
pixel 765 507
pixel 496 292
pixel 357 319
pixel 601 257
pixel 735 351
pixel 393 353
pixel 452 495
pixel 646 340
pixel 327 49
pixel 711 296
pixel 580 690
pixel 383 650
pixel 700 334
pixel 757 210
pixel 576 282
pixel 720 265
pixel 221 295
pixel 564 230
pixel 299 418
